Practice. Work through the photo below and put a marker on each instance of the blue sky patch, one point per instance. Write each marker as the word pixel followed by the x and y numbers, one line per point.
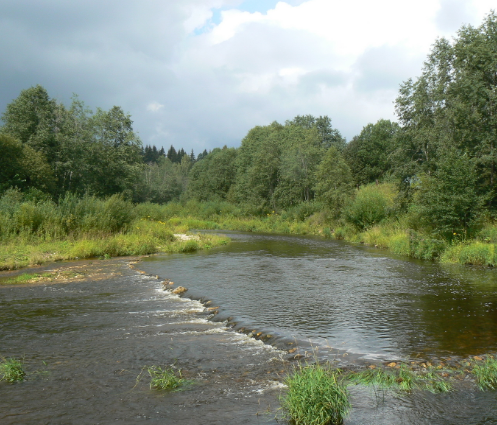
pixel 251 6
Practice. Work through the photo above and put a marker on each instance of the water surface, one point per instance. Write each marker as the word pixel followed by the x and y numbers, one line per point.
pixel 336 295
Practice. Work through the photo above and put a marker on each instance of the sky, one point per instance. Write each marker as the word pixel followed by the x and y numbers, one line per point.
pixel 199 74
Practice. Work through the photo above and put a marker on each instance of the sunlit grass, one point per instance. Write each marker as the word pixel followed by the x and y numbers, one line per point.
pixel 145 237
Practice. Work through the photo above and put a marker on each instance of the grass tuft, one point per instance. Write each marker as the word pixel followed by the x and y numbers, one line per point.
pixel 315 396
pixel 486 374
pixel 11 370
pixel 164 378
pixel 402 379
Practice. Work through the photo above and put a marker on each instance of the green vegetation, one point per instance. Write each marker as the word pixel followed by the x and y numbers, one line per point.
pixel 11 370
pixel 315 396
pixel 39 231
pixel 317 393
pixel 164 378
pixel 402 379
pixel 486 374
pixel 78 183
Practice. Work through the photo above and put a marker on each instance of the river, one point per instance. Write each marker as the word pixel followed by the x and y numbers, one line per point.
pixel 85 342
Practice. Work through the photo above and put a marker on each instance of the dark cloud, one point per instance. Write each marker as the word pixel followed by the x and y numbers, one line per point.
pixel 138 54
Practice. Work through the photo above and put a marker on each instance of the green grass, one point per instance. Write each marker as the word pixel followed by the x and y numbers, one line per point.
pixel 402 379
pixel 164 378
pixel 315 396
pixel 145 237
pixel 11 370
pixel 486 374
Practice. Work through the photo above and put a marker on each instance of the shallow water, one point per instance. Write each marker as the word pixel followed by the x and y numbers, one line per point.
pixel 337 295
pixel 85 343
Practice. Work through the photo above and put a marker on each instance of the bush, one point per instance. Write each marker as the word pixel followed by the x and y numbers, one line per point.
pixel 479 254
pixel 425 247
pixel 371 205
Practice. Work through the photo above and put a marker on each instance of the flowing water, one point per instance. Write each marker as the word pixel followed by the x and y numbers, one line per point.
pixel 85 342
pixel 341 296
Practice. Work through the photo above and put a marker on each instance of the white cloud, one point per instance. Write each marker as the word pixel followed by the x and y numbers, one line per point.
pixel 154 107
pixel 208 71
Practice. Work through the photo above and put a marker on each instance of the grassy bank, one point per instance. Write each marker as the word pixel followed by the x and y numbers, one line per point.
pixel 36 232
pixel 394 232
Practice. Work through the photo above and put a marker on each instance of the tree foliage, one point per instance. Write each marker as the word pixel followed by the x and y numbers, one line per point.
pixel 334 182
pixel 369 153
pixel 86 153
pixel 448 201
pixel 453 105
pixel 212 178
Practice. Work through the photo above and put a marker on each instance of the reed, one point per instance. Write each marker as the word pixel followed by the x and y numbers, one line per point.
pixel 402 379
pixel 486 374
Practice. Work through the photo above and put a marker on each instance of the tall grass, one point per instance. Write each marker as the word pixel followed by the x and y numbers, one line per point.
pixel 315 396
pixel 34 232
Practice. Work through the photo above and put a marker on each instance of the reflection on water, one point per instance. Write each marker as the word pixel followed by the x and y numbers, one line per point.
pixel 346 297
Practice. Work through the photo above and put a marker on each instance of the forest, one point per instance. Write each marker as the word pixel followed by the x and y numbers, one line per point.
pixel 424 186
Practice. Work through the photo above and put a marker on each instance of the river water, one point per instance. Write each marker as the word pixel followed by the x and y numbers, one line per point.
pixel 332 294
pixel 85 343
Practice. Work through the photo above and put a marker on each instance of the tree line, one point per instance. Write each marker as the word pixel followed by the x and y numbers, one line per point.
pixel 440 158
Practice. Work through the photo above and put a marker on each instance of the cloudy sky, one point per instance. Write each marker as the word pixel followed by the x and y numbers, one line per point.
pixel 199 74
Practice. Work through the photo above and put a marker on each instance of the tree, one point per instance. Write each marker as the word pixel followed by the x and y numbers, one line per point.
pixel 257 165
pixel 328 135
pixel 23 167
pixel 448 202
pixel 160 182
pixel 334 183
pixel 301 152
pixel 453 105
pixel 368 154
pixel 113 154
pixel 30 118
pixel 212 178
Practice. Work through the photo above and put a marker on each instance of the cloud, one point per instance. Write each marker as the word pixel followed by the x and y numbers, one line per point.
pixel 154 107
pixel 209 70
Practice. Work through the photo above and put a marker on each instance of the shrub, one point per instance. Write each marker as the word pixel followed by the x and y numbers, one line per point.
pixel 480 254
pixel 371 205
